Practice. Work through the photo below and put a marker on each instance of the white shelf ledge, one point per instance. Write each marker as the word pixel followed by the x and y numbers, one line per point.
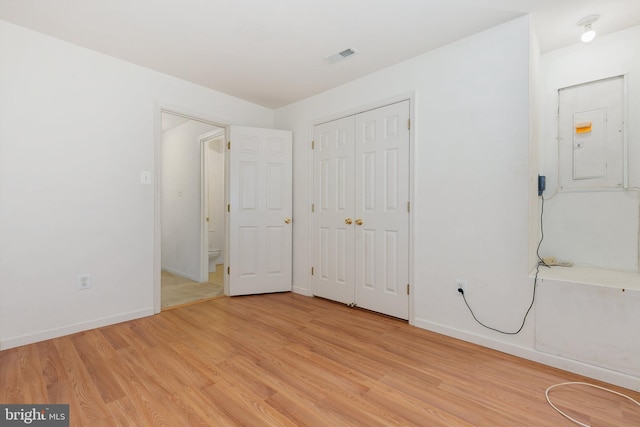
pixel 591 276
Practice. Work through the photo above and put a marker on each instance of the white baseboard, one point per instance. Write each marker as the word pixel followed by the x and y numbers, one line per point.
pixel 302 291
pixel 596 372
pixel 181 274
pixel 72 329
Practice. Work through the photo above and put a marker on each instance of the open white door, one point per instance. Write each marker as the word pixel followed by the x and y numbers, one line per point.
pixel 260 211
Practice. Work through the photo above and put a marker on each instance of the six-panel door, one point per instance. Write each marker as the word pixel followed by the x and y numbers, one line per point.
pixel 381 210
pixel 260 211
pixel 361 218
pixel 334 208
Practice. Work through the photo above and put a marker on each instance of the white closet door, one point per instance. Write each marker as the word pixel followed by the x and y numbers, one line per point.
pixel 260 196
pixel 334 208
pixel 381 211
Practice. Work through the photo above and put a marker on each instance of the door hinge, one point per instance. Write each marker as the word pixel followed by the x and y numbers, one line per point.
pixel 313 207
pixel 229 145
pixel 229 208
pixel 229 271
pixel 312 271
pixel 409 124
pixel 408 289
pixel 313 145
pixel 408 206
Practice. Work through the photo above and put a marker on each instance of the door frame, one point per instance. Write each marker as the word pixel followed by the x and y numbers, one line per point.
pixel 204 193
pixel 160 108
pixel 407 96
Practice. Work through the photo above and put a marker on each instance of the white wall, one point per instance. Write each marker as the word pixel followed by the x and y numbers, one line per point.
pixel 470 209
pixel 598 229
pixel 76 129
pixel 474 207
pixel 535 125
pixel 181 210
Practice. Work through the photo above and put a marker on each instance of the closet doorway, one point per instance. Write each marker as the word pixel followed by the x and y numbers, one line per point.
pixel 361 210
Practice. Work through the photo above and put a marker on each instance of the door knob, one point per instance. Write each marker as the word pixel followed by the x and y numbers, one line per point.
pixel 358 221
pixel 348 221
pixel 287 220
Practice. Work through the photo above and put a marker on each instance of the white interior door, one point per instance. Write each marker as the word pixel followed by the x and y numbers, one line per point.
pixel 334 207
pixel 361 217
pixel 382 210
pixel 260 208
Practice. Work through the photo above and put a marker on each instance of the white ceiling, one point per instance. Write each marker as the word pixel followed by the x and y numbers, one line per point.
pixel 272 52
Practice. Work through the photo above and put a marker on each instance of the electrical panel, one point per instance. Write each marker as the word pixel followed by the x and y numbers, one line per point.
pixel 591 135
pixel 590 144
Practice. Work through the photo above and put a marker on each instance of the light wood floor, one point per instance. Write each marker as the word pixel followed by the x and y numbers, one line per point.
pixel 178 290
pixel 286 359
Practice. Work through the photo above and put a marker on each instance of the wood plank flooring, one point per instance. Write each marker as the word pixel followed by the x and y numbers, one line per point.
pixel 290 360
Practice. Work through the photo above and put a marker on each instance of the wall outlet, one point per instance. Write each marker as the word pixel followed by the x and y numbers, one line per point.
pixel 83 281
pixel 461 284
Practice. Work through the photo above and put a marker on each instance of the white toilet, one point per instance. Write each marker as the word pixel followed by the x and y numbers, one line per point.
pixel 214 254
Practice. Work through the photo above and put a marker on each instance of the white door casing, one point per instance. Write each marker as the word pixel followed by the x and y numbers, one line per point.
pixel 204 210
pixel 204 201
pixel 361 176
pixel 260 211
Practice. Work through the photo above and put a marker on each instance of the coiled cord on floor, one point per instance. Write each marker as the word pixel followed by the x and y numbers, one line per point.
pixel 546 394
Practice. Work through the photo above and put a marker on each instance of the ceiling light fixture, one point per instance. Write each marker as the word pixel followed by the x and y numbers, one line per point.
pixel 589 33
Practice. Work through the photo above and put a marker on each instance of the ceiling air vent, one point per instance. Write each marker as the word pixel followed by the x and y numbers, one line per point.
pixel 340 56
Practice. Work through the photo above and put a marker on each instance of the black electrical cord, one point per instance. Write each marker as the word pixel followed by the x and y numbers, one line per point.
pixel 535 284
pixel 541 261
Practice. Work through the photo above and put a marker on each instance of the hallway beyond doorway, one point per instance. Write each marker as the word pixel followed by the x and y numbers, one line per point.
pixel 177 291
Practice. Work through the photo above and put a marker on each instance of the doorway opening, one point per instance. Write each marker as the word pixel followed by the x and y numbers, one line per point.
pixel 192 218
